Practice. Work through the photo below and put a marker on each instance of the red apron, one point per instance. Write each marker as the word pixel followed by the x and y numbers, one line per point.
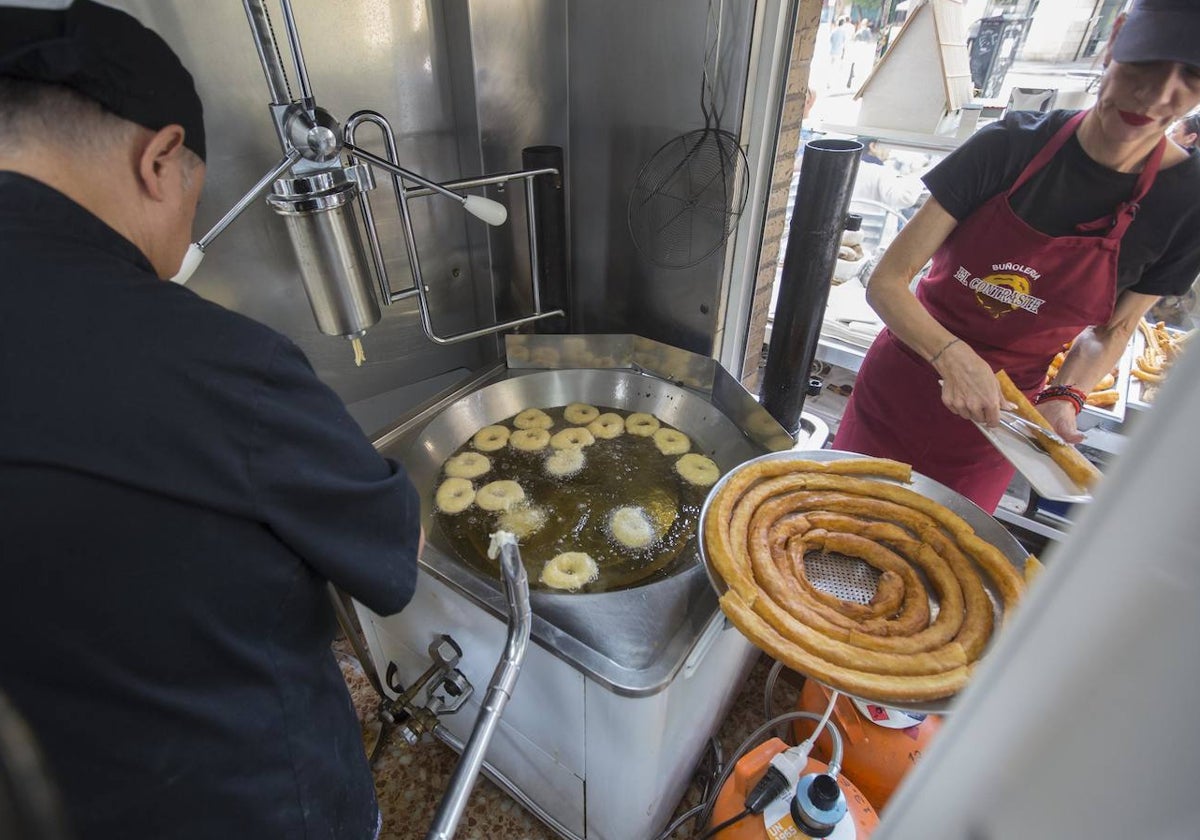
pixel 1015 295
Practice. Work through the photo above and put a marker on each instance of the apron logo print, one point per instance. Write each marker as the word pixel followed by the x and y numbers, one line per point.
pixel 1005 290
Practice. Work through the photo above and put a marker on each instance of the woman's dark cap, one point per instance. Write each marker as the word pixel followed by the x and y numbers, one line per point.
pixel 107 56
pixel 1160 30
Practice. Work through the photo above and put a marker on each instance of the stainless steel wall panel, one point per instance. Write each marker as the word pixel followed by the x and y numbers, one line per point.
pixel 519 48
pixel 635 71
pixel 467 84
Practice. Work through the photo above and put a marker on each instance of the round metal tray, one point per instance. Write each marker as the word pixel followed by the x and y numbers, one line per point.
pixel 984 524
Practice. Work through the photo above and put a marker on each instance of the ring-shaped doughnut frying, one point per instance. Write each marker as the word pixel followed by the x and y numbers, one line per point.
pixel 533 418
pixel 580 414
pixel 631 527
pixel 468 465
pixel 522 520
pixel 569 570
pixel 565 462
pixel 696 469
pixel 454 495
pixel 641 424
pixel 672 442
pixel 529 440
pixel 607 426
pixel 575 437
pixel 491 438
pixel 499 495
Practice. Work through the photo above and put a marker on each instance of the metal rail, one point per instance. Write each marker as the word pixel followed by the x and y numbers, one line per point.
pixel 403 193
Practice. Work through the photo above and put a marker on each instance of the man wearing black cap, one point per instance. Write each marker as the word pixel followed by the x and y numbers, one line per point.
pixel 176 486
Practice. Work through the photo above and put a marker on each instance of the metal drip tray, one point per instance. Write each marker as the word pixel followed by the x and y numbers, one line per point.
pixel 632 640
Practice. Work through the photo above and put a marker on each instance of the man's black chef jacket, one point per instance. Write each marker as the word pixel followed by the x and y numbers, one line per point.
pixel 176 486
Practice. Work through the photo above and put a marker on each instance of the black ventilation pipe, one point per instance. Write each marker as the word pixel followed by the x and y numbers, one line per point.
pixel 550 204
pixel 822 200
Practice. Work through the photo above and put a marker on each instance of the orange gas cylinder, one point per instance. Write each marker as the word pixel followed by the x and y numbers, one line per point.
pixel 879 744
pixel 859 822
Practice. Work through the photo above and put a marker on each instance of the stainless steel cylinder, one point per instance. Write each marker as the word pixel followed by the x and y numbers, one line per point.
pixel 323 225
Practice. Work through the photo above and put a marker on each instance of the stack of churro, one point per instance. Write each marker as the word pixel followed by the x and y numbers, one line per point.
pixel 768 515
pixel 1163 347
pixel 1104 394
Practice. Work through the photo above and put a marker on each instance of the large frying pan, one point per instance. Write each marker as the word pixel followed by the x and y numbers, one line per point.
pixel 632 629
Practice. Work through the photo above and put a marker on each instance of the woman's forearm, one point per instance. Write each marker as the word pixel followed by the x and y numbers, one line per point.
pixel 888 289
pixel 890 297
pixel 1097 350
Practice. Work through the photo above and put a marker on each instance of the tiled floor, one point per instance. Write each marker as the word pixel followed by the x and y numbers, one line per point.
pixel 410 780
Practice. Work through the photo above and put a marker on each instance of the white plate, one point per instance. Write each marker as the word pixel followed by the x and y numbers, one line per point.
pixel 1039 469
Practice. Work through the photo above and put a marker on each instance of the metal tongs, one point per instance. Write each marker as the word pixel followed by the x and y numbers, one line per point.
pixel 1019 425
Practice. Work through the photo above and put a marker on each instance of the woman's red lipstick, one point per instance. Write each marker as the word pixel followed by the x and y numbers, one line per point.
pixel 1130 118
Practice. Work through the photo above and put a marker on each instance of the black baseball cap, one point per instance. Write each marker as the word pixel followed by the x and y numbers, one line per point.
pixel 105 55
pixel 1160 30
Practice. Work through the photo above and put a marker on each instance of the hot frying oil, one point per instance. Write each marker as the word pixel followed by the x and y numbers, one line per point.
pixel 625 471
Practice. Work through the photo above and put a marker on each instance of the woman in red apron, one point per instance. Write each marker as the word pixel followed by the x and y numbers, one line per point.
pixel 1003 295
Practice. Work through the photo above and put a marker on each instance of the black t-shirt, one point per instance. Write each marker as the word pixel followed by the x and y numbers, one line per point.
pixel 176 487
pixel 1160 252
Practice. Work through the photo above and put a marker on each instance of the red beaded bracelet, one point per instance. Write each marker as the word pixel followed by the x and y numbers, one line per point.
pixel 1062 392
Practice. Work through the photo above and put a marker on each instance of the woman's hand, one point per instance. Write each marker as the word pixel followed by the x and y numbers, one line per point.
pixel 1061 415
pixel 969 388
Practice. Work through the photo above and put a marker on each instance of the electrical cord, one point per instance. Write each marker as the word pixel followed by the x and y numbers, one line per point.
pixel 764 791
pixel 717 756
pixel 769 694
pixel 689 814
pixel 752 740
pixel 717 829
pixel 714 756
pixel 769 709
pixel 770 787
pixel 835 760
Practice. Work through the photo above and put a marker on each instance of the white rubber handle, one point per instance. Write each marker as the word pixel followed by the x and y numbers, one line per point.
pixel 492 212
pixel 191 261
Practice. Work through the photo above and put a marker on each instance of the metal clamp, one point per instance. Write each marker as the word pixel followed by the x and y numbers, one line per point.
pixel 445 687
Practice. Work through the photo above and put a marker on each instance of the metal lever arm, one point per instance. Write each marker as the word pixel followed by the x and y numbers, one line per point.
pixel 504 678
pixel 195 252
pixel 254 192
pixel 492 212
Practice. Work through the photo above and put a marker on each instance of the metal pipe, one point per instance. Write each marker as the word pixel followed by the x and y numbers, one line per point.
pixel 548 251
pixel 245 201
pixel 289 22
pixel 389 139
pixel 826 182
pixel 504 678
pixel 535 262
pixel 508 786
pixel 268 51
